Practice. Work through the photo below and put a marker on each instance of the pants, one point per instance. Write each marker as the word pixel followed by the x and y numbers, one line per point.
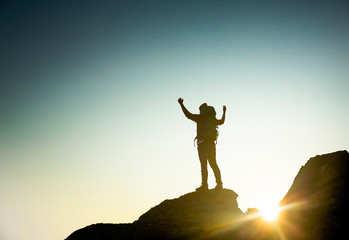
pixel 207 152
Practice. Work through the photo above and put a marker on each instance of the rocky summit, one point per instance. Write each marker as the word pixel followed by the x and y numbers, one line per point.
pixel 192 216
pixel 196 215
pixel 315 207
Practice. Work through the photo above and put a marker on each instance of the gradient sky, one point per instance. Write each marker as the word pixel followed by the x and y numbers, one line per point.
pixel 90 127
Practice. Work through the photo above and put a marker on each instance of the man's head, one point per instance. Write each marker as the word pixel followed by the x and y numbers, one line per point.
pixel 202 106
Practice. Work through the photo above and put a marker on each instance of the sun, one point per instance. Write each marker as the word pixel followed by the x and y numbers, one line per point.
pixel 269 213
pixel 268 208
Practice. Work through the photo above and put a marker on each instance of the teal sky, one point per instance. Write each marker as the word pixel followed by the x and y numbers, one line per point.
pixel 90 127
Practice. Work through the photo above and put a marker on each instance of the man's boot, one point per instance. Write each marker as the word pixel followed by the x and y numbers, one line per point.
pixel 202 188
pixel 219 186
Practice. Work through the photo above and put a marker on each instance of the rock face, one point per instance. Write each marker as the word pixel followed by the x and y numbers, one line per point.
pixel 191 216
pixel 102 231
pixel 315 207
pixel 197 215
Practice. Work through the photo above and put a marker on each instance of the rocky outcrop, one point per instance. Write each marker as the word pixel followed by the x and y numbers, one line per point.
pixel 193 215
pixel 315 207
pixel 196 215
pixel 103 231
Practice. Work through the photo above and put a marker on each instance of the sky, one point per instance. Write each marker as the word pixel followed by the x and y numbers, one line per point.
pixel 90 127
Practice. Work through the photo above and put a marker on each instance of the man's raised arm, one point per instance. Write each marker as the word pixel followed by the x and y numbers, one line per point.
pixel 188 114
pixel 221 121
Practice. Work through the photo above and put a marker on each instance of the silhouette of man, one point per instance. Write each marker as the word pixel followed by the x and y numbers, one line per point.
pixel 206 146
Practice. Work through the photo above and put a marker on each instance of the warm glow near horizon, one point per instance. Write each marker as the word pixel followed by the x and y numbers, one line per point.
pixel 268 207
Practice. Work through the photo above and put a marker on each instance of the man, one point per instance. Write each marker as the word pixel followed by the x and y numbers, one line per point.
pixel 206 142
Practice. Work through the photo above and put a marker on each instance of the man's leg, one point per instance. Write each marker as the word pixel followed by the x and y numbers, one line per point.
pixel 202 150
pixel 211 147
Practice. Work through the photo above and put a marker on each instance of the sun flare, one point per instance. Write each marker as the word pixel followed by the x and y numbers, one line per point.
pixel 270 213
pixel 269 209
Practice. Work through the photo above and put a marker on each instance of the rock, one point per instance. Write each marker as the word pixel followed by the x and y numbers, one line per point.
pixel 196 215
pixel 316 205
pixel 190 216
pixel 103 232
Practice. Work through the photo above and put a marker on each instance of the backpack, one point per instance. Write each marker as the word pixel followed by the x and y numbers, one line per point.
pixel 209 127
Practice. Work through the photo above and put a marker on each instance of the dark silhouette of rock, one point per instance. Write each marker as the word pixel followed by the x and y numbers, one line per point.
pixel 102 231
pixel 196 215
pixel 315 207
pixel 191 215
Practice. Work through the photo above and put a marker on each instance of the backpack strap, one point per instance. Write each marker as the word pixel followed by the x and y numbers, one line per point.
pixel 196 138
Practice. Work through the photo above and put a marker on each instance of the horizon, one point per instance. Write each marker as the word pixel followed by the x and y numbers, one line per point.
pixel 91 130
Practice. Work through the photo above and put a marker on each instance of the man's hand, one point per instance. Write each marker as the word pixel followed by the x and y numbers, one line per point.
pixel 224 108
pixel 180 100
